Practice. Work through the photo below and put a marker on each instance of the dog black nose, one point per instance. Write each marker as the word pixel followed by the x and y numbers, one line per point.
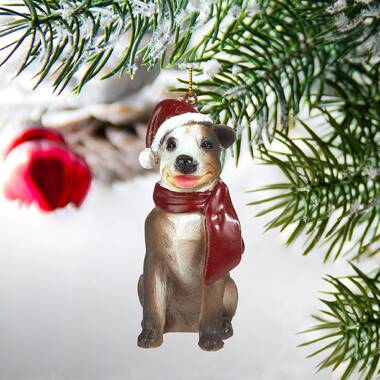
pixel 185 164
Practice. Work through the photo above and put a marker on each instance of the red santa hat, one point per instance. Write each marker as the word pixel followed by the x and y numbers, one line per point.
pixel 166 116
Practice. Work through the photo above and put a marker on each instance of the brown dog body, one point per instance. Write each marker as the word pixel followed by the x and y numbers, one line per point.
pixel 172 290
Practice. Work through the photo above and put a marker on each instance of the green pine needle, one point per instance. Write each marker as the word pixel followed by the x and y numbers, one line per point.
pixel 352 329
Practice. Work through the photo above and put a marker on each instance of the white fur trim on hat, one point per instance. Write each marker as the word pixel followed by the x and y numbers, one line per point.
pixel 174 122
pixel 147 159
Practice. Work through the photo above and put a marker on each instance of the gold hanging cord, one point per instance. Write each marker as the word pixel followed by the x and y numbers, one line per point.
pixel 190 73
pixel 191 97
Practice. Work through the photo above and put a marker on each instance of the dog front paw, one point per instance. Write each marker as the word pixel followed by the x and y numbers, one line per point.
pixel 227 330
pixel 149 338
pixel 210 342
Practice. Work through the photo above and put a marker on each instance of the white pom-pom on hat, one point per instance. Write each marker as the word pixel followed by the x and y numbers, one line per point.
pixel 147 158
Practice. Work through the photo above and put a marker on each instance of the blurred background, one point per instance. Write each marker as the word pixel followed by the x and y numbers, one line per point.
pixel 68 298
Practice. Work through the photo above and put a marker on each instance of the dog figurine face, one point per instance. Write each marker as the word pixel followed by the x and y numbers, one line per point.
pixel 189 156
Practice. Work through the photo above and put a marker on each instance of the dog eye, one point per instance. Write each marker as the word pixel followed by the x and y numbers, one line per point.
pixel 206 144
pixel 171 145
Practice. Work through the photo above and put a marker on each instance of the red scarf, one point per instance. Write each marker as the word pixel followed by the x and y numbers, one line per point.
pixel 224 242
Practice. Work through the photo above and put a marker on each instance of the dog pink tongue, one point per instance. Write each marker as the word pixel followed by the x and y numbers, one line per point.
pixel 186 180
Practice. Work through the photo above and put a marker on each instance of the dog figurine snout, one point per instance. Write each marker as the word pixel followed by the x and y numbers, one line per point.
pixel 185 164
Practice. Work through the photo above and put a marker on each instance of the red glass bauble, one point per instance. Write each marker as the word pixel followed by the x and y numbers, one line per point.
pixel 40 168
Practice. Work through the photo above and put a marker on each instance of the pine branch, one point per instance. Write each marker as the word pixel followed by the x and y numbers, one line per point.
pixel 331 200
pixel 332 192
pixel 350 326
pixel 71 37
pixel 267 65
pixel 264 66
pixel 262 58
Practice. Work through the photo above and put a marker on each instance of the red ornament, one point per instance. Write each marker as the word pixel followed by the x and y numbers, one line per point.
pixel 39 167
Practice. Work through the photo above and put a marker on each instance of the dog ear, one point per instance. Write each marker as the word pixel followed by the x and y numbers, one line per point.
pixel 226 135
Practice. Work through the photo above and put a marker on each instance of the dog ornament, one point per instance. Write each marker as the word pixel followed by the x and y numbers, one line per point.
pixel 193 235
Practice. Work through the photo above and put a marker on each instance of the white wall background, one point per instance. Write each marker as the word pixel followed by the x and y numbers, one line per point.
pixel 69 308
